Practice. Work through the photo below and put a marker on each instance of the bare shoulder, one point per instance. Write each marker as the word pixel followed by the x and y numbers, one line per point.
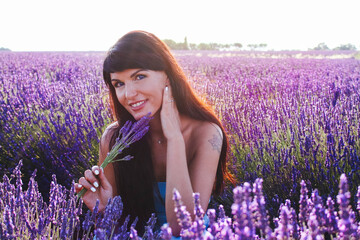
pixel 109 131
pixel 104 149
pixel 106 137
pixel 207 135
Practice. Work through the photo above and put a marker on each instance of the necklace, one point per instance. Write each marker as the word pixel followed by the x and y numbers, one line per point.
pixel 158 140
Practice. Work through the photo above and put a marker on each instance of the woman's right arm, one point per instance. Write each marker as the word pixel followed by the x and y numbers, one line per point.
pixel 100 183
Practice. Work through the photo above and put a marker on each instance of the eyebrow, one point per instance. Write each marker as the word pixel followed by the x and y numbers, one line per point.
pixel 132 75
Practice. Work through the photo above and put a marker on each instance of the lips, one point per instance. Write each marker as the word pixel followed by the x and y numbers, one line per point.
pixel 137 105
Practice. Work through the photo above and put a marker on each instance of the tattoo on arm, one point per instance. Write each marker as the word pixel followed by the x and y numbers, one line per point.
pixel 216 142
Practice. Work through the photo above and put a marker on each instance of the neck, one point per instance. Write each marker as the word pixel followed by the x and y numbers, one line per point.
pixel 156 133
pixel 155 126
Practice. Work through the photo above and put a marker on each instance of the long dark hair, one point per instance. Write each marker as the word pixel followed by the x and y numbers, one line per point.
pixel 135 179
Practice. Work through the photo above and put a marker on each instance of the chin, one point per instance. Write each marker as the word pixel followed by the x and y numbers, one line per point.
pixel 138 116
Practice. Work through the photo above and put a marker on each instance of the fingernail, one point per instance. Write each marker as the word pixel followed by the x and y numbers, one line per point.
pixel 96 184
pixel 166 88
pixel 79 186
pixel 93 189
pixel 97 172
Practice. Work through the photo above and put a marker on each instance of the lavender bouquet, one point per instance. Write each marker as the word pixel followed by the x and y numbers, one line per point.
pixel 128 134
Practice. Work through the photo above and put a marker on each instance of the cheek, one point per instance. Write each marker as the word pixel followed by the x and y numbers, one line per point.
pixel 160 97
pixel 120 97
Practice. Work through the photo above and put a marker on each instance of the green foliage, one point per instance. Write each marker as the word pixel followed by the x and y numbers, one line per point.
pixel 176 46
pixel 255 46
pixel 5 49
pixel 203 46
pixel 321 46
pixel 348 46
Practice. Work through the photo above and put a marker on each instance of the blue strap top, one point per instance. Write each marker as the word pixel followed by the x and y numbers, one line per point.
pixel 160 205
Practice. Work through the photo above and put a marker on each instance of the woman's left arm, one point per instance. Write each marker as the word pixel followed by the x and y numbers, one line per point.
pixel 199 175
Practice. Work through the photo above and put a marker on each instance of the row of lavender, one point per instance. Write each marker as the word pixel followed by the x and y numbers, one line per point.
pixel 25 215
pixel 289 119
pixel 52 114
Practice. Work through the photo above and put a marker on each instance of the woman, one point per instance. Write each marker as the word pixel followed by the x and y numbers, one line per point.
pixel 185 147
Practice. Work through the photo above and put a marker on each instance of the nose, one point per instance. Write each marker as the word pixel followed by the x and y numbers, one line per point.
pixel 130 91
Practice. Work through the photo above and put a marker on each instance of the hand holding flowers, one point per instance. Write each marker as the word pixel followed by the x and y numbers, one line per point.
pixel 128 134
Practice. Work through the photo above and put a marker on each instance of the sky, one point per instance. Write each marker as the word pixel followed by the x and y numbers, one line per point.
pixel 88 25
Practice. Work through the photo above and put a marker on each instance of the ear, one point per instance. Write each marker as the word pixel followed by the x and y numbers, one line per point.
pixel 167 81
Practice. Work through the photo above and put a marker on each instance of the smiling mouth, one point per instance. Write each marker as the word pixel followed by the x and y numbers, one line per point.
pixel 137 104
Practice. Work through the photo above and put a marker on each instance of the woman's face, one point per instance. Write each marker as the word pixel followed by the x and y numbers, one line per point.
pixel 139 91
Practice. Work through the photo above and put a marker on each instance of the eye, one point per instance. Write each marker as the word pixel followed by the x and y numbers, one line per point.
pixel 140 77
pixel 118 84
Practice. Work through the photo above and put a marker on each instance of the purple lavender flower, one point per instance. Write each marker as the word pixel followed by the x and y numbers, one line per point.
pixel 223 221
pixel 133 224
pixel 227 234
pixel 86 224
pixel 17 174
pixel 63 230
pixel 336 97
pixel 260 216
pixel 166 233
pixel 285 226
pixel 358 200
pixel 313 224
pixel 198 228
pixel 208 236
pixel 303 205
pixel 319 210
pixel 42 222
pixel 295 234
pixel 243 225
pixel 112 214
pixel 307 144
pixel 123 234
pixel 95 211
pixel 100 234
pixel 222 215
pixel 198 225
pixel 149 228
pixel 31 191
pixel 198 211
pixel 133 234
pixel 182 215
pixel 213 225
pixel 124 130
pixel 346 225
pixel 9 231
pixel 331 217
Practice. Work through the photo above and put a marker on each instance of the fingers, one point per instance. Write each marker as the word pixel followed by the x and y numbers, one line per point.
pixel 167 98
pixel 86 184
pixel 89 181
pixel 90 176
pixel 78 187
pixel 103 180
pixel 92 180
pixel 96 170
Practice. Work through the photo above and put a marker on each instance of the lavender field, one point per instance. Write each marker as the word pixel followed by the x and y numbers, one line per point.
pixel 290 116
